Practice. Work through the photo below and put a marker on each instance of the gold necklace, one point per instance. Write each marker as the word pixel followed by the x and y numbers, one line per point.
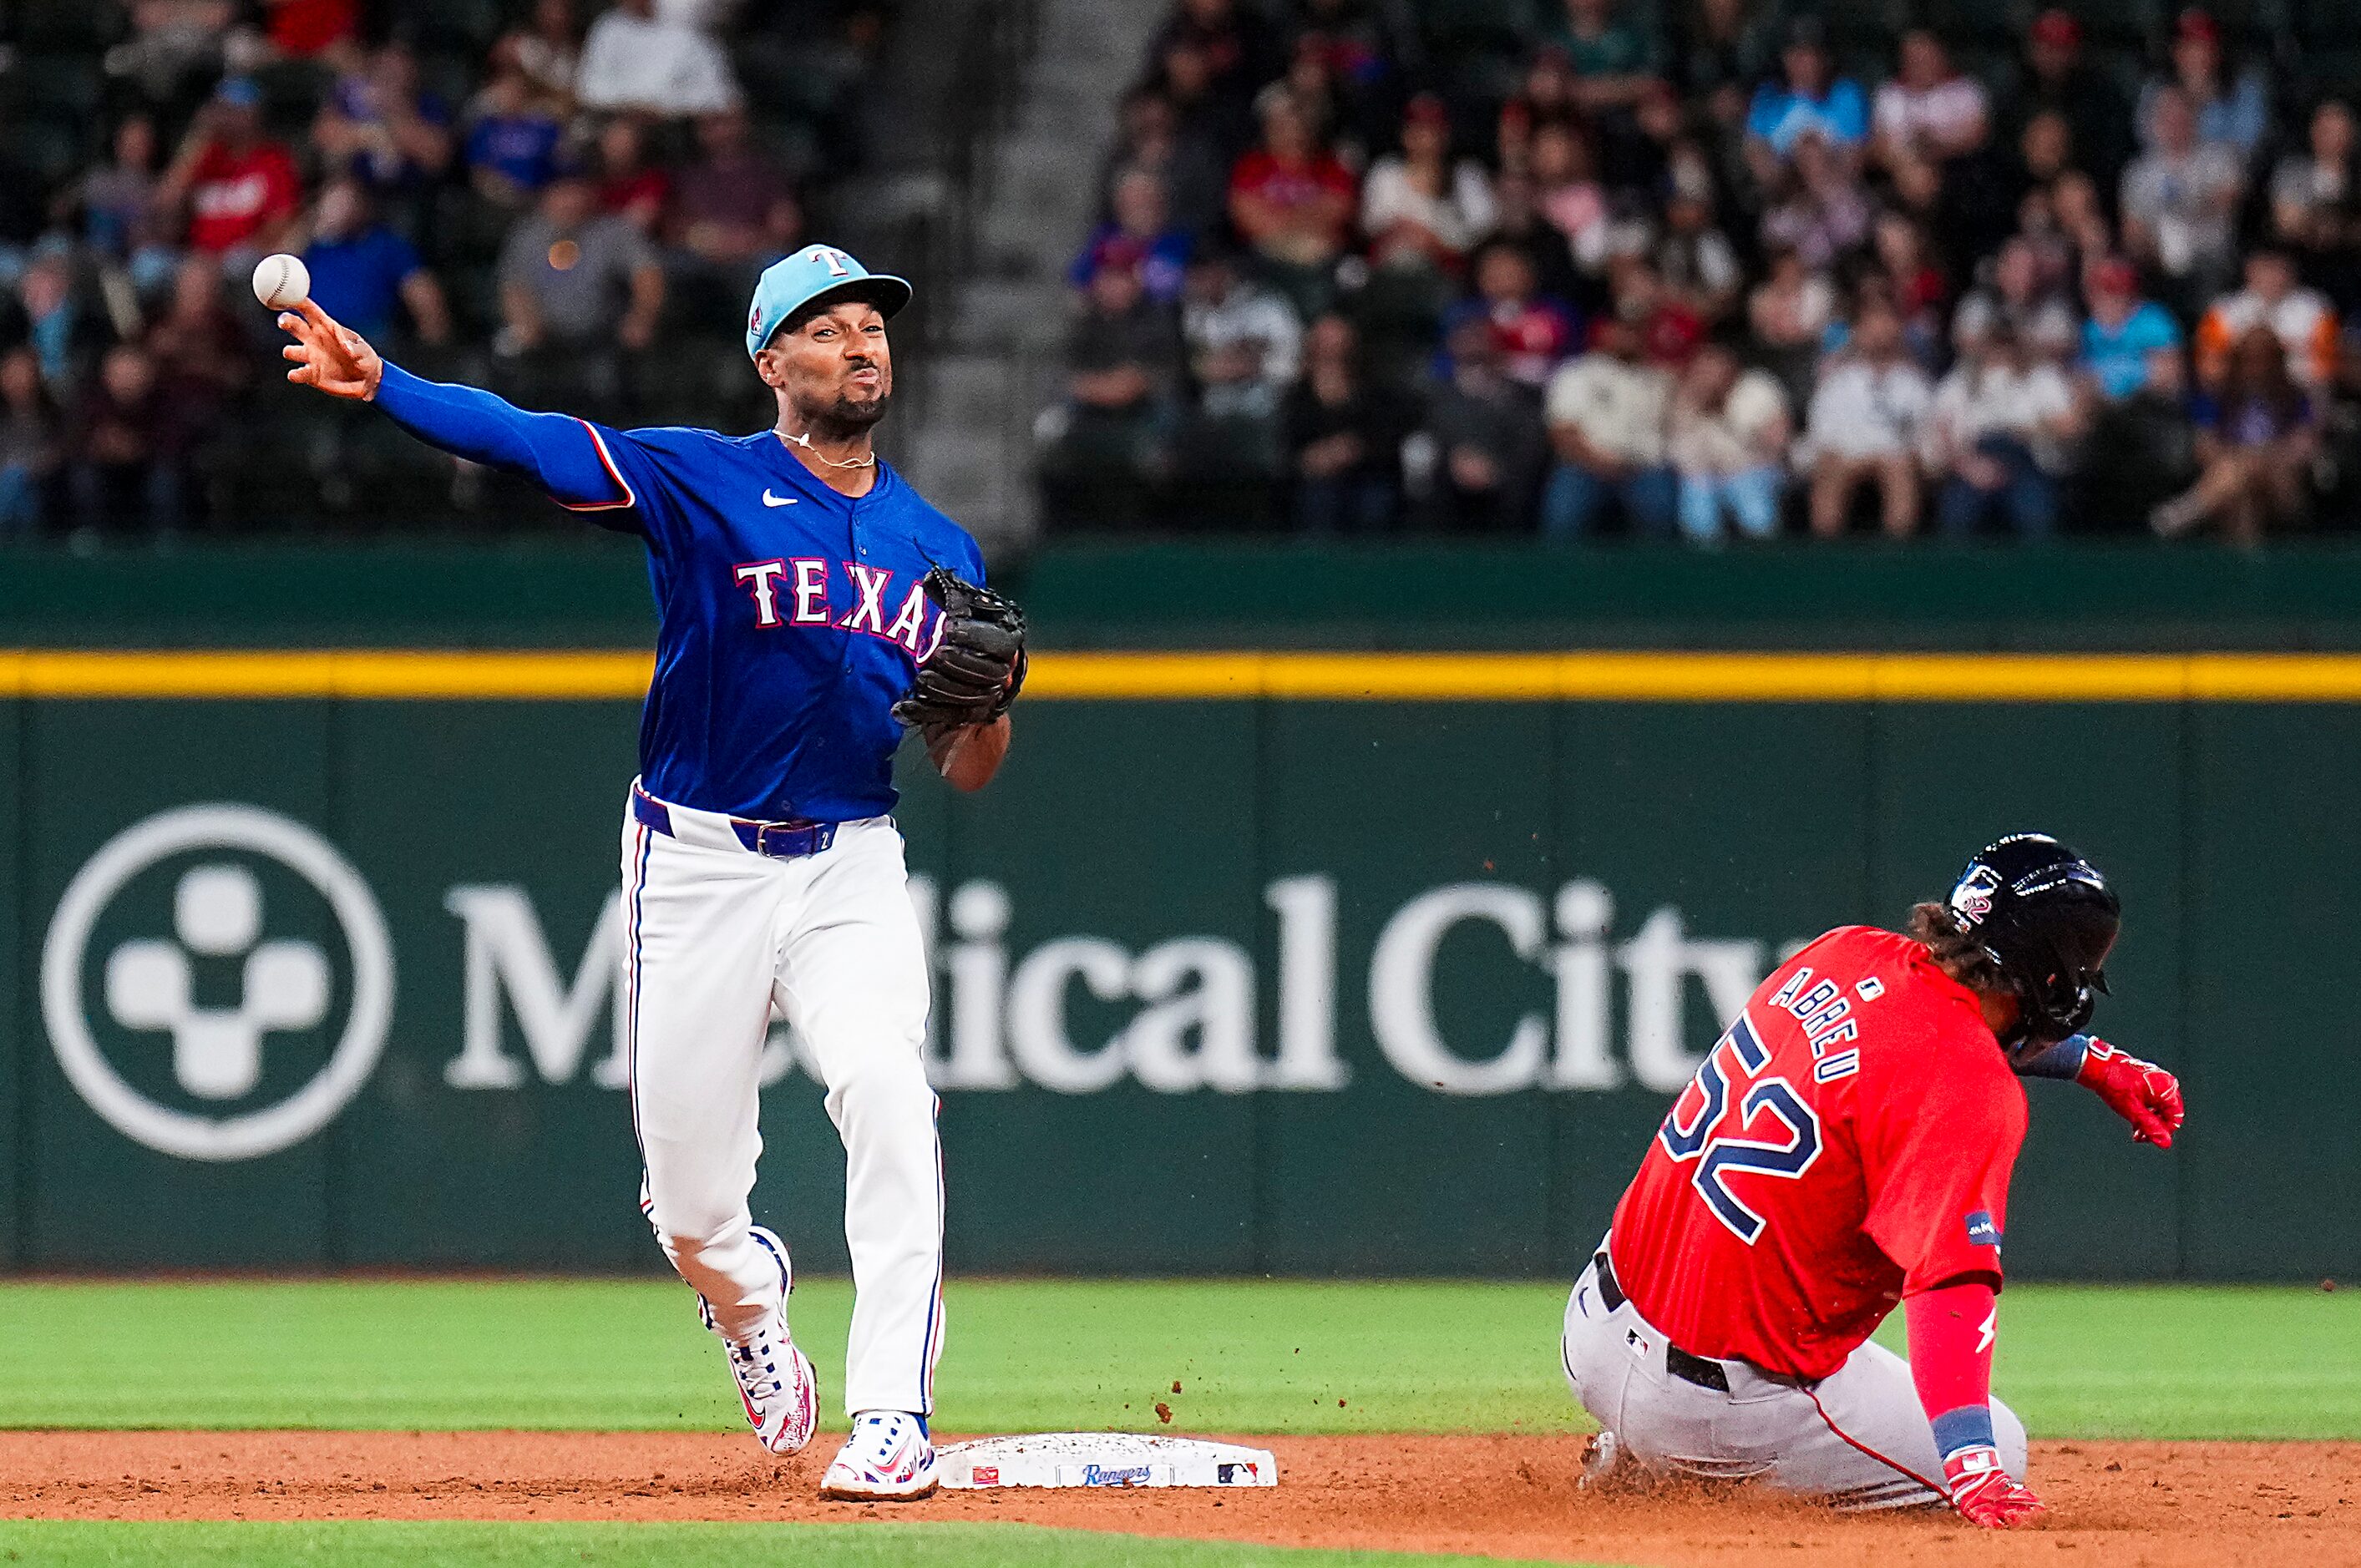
pixel 804 442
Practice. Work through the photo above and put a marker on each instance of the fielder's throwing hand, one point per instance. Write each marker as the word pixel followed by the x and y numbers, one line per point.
pixel 811 606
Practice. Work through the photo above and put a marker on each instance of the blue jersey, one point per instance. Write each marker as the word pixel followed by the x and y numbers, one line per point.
pixel 789 618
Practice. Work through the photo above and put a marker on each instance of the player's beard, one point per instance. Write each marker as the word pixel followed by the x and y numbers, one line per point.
pixel 846 417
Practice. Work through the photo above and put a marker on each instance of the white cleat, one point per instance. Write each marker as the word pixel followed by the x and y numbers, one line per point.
pixel 887 1459
pixel 776 1382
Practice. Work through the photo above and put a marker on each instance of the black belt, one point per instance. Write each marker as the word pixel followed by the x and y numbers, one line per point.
pixel 1696 1369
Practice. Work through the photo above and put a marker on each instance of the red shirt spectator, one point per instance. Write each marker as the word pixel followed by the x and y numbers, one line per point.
pixel 241 189
pixel 1290 198
pixel 305 27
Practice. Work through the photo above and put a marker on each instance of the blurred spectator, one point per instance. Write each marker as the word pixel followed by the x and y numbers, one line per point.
pixel 1931 112
pixel 1139 236
pixel 240 187
pixel 1546 99
pixel 1196 183
pixel 733 208
pixel 1237 48
pixel 2316 204
pixel 1823 214
pixel 2058 79
pixel 1808 100
pixel 629 187
pixel 31 448
pixel 1531 332
pixel 1669 330
pixel 1108 439
pixel 1243 342
pixel 1913 283
pixel 1696 262
pixel 2257 439
pixel 547 51
pixel 2231 113
pixel 121 217
pixel 1204 114
pixel 364 274
pixel 64 335
pixel 201 355
pixel 635 60
pixel 512 147
pixel 1864 426
pixel 1614 59
pixel 126 444
pixel 380 125
pixel 1728 442
pixel 574 288
pixel 171 42
pixel 1343 438
pixel 2012 299
pixel 1292 201
pixel 1790 314
pixel 2124 333
pixel 1481 451
pixel 1566 189
pixel 1997 437
pixel 1355 48
pixel 2080 218
pixel 1421 207
pixel 1721 50
pixel 1521 223
pixel 1608 414
pixel 2300 318
pixel 309 30
pixel 2181 201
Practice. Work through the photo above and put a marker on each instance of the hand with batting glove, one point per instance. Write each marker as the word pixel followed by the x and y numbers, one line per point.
pixel 2139 1092
pixel 1983 1492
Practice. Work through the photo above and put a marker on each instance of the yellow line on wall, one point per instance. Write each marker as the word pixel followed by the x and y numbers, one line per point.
pixel 620 674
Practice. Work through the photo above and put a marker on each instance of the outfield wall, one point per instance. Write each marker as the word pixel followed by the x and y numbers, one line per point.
pixel 1300 964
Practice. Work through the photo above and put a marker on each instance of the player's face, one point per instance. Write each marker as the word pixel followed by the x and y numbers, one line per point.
pixel 837 368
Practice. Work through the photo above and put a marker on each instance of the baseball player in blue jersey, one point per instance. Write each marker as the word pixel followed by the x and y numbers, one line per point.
pixel 811 608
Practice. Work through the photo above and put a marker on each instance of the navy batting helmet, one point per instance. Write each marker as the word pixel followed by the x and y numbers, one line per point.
pixel 2048 919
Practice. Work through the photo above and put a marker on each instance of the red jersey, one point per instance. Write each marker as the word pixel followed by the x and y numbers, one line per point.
pixel 1846 1142
pixel 233 196
pixel 1266 178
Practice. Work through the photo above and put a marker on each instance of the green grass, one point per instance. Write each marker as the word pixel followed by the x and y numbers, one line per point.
pixel 1250 1356
pixel 53 1544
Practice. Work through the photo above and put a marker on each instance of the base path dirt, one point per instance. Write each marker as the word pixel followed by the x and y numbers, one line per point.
pixel 2157 1505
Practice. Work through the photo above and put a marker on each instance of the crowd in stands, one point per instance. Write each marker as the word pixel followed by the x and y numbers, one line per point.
pixel 522 193
pixel 1717 270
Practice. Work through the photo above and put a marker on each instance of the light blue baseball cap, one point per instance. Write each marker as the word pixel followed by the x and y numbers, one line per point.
pixel 815 272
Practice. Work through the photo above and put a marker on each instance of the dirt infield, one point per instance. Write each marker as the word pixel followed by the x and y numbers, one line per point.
pixel 2157 1505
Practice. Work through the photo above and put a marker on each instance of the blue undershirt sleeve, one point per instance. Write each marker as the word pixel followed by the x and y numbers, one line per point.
pixel 564 455
pixel 2062 1061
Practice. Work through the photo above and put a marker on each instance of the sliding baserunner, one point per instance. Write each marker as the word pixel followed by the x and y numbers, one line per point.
pixel 810 609
pixel 1846 1146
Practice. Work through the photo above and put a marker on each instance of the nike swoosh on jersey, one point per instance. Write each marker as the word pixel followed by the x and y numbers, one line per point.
pixel 771 500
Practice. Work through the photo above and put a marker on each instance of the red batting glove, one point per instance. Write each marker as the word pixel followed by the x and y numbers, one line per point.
pixel 2139 1092
pixel 1982 1491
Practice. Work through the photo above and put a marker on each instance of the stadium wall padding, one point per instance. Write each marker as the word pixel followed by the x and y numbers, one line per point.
pixel 1236 986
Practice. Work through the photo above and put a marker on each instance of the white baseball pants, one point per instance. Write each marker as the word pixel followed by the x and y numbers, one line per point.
pixel 1857 1438
pixel 716 936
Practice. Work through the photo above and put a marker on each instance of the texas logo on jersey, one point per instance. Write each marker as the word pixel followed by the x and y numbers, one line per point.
pixel 795 592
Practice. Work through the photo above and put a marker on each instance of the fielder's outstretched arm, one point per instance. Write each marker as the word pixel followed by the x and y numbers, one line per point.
pixel 557 451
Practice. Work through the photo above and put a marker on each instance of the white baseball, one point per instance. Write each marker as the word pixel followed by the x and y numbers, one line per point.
pixel 282 281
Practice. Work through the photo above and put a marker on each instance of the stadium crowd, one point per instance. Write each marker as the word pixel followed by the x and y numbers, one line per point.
pixel 519 195
pixel 1709 270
